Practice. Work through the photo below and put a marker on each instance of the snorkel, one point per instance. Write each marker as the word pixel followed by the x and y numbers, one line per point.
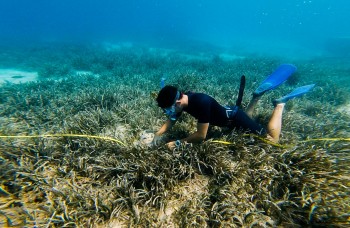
pixel 162 82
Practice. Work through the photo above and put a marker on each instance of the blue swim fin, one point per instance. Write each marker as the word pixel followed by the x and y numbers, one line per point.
pixel 295 93
pixel 281 74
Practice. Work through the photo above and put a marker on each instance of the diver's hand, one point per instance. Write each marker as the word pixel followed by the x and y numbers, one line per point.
pixel 178 144
pixel 157 140
pixel 171 145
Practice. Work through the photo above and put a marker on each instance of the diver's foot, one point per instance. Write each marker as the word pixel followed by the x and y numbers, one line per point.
pixel 278 101
pixel 281 74
pixel 295 93
pixel 263 88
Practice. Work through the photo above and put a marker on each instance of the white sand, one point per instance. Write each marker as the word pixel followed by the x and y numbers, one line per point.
pixel 230 57
pixel 17 76
pixel 20 76
pixel 345 109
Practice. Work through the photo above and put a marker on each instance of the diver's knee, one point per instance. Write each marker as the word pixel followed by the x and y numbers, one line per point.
pixel 272 139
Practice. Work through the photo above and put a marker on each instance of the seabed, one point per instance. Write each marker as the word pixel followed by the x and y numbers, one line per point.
pixel 17 76
pixel 71 155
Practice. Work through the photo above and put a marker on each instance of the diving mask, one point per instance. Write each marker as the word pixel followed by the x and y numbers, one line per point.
pixel 171 111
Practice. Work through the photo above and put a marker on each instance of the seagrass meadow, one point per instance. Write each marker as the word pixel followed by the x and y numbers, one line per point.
pixel 60 177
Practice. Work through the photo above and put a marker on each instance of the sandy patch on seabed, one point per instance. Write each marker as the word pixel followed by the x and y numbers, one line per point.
pixel 345 109
pixel 17 76
pixel 20 76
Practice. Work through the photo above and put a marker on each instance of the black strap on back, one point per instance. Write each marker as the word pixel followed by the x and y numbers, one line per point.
pixel 241 91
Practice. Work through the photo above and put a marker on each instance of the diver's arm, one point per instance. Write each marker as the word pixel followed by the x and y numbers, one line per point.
pixel 199 135
pixel 166 126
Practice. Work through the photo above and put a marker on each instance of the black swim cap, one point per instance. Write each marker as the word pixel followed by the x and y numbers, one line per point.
pixel 166 96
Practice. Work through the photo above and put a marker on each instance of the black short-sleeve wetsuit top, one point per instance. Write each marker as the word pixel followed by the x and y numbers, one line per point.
pixel 207 110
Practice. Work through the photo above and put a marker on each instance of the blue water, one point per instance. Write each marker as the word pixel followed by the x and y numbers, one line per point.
pixel 291 27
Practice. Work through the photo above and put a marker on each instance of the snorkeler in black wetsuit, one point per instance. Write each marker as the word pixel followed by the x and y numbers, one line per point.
pixel 206 110
pixel 209 112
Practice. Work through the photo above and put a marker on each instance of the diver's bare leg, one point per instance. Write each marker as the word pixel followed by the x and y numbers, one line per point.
pixel 274 126
pixel 253 102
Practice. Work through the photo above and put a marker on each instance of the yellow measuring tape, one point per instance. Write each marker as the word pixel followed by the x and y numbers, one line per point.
pixel 64 135
pixel 283 146
pixel 121 143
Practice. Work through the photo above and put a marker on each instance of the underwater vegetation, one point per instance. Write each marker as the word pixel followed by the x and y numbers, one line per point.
pixel 75 181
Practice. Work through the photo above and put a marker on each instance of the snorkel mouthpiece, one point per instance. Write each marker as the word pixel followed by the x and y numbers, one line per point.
pixel 171 112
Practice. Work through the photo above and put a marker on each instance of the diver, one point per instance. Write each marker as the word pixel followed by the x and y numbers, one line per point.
pixel 208 111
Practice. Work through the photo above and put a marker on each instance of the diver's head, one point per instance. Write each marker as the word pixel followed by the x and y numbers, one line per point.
pixel 166 96
pixel 169 100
